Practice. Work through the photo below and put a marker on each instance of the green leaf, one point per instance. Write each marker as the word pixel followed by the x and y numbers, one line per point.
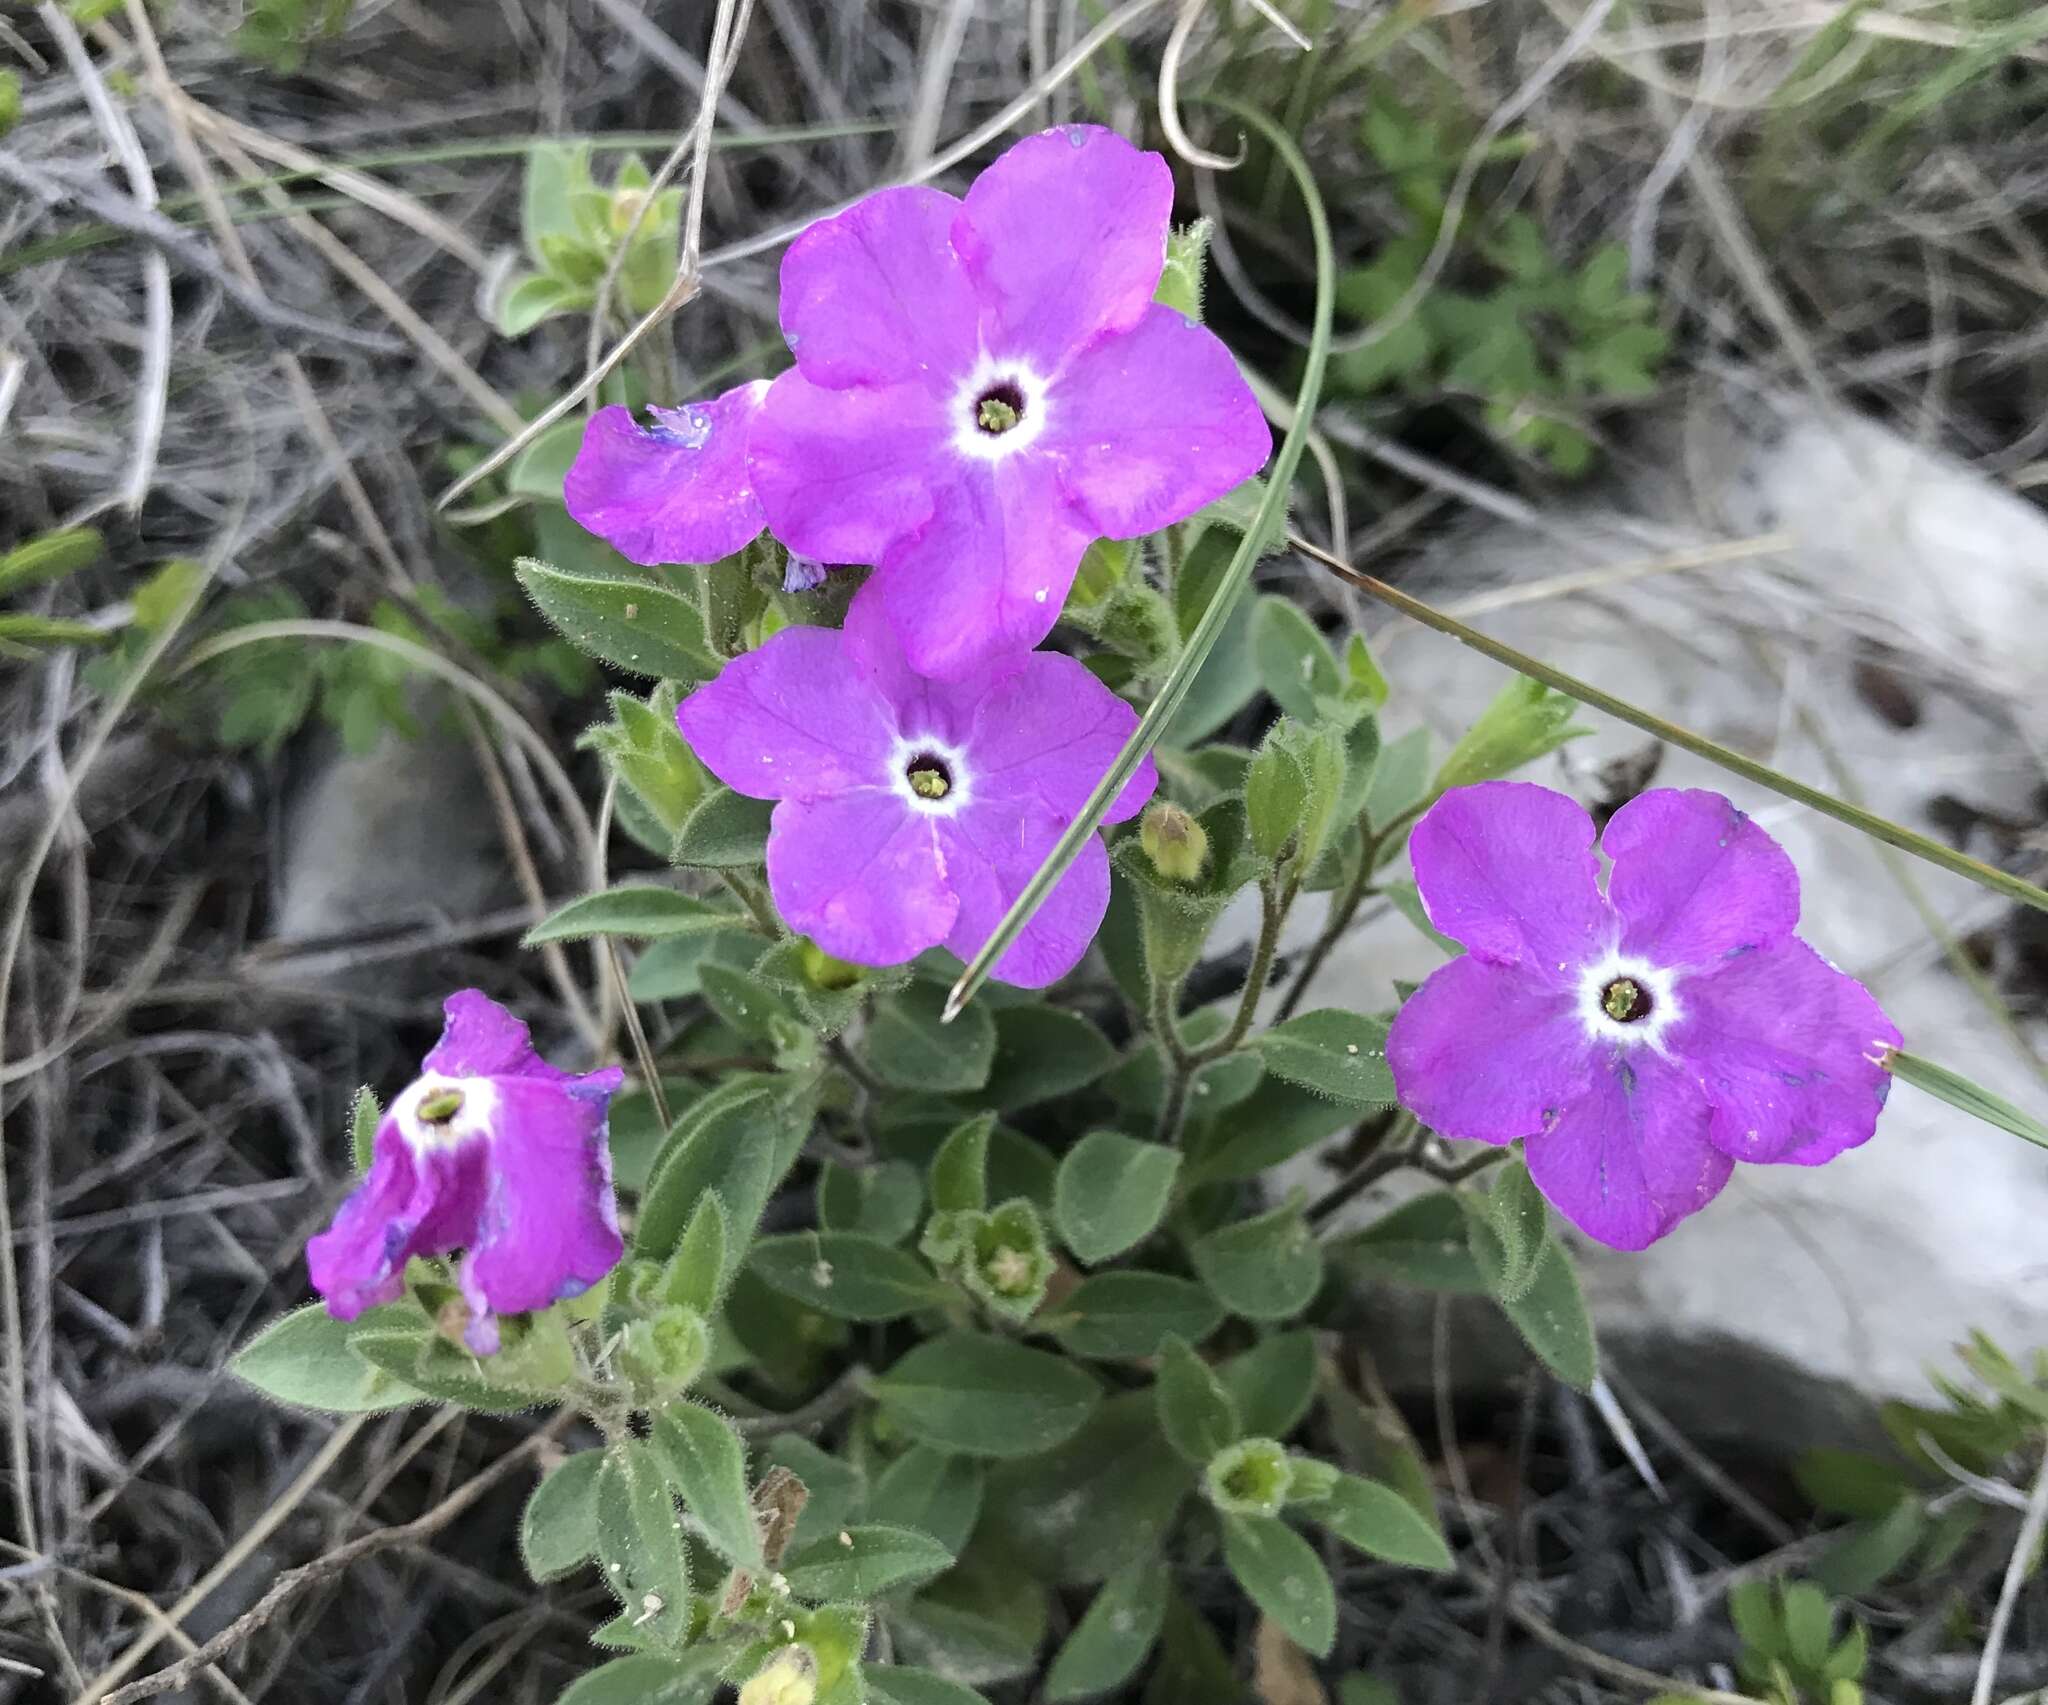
pixel 364 1115
pixel 1525 721
pixel 1114 1637
pixel 1196 1412
pixel 640 1541
pixel 647 1678
pixel 707 1465
pixel 1043 1052
pixel 636 910
pixel 1551 1317
pixel 981 1622
pixel 1273 1383
pixel 1870 1551
pixel 555 171
pixel 739 1141
pixel 848 1276
pixel 535 297
pixel 864 1562
pixel 1295 663
pixel 48 558
pixel 1363 680
pixel 1284 1577
pixel 883 1199
pixel 539 469
pixel 620 616
pixel 959 1174
pixel 305 1360
pixel 756 1012
pixel 1193 1668
pixel 1105 1498
pixel 1381 1523
pixel 1266 1268
pixel 1341 1055
pixel 1123 1316
pixel 1850 1482
pixel 696 1273
pixel 1111 1193
pixel 1400 782
pixel 1972 1098
pixel 909 1047
pixel 1519 1225
pixel 899 1684
pixel 933 1492
pixel 1276 1122
pixel 1424 1243
pixel 401 1341
pixel 559 1528
pixel 724 831
pixel 981 1396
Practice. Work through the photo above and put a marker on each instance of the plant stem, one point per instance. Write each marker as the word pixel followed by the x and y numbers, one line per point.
pixel 1273 908
pixel 1338 921
pixel 755 902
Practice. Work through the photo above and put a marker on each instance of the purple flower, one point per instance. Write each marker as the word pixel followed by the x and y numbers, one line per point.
pixel 984 386
pixel 675 491
pixel 491 1150
pixel 912 812
pixel 1641 1041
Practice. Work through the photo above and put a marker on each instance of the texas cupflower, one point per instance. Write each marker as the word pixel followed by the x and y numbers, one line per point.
pixel 912 812
pixel 490 1150
pixel 1641 1041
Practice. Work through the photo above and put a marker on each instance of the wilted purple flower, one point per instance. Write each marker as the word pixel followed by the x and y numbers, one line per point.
pixel 1642 1041
pixel 672 491
pixel 984 386
pixel 493 1151
pixel 912 812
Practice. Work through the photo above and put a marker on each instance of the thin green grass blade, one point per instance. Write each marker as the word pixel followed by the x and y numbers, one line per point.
pixel 1221 607
pixel 1972 1098
pixel 1878 828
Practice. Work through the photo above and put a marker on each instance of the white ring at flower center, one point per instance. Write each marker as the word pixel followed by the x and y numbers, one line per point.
pixel 906 752
pixel 467 1123
pixel 1655 981
pixel 993 373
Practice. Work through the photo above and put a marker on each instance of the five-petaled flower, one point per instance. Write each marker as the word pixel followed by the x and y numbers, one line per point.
pixel 1642 1041
pixel 983 386
pixel 492 1151
pixel 912 812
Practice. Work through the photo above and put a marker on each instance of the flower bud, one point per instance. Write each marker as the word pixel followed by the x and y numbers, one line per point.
pixel 625 208
pixel 1250 1478
pixel 1310 1481
pixel 822 971
pixel 666 1353
pixel 788 1678
pixel 1176 844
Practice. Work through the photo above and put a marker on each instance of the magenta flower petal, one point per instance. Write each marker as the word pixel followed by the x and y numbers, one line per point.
pixel 673 491
pixel 1507 869
pixel 550 1225
pixel 1150 424
pixel 1638 1050
pixel 790 720
pixel 988 575
pixel 999 846
pixel 1695 881
pixel 861 874
pixel 1065 238
pixel 844 474
pixel 1050 731
pixel 912 811
pixel 876 296
pixel 1787 1048
pixel 490 1150
pixel 1488 1053
pixel 1630 1159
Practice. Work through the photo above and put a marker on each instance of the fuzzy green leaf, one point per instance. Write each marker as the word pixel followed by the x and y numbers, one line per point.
pixel 982 1396
pixel 1111 1193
